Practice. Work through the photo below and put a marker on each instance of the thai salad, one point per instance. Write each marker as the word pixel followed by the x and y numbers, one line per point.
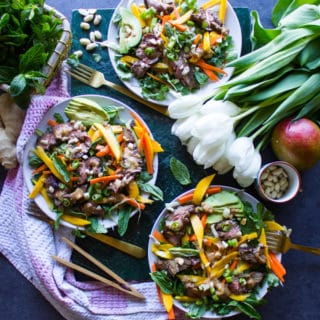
pixel 172 46
pixel 93 166
pixel 213 257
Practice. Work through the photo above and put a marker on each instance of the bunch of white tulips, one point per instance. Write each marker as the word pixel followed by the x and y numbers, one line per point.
pixel 207 130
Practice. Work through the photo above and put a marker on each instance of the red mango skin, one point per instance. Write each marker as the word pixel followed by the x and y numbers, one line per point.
pixel 297 142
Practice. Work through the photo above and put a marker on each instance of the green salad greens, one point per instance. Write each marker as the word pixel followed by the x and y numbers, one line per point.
pixel 28 36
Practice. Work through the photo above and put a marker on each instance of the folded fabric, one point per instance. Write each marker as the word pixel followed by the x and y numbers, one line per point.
pixel 29 243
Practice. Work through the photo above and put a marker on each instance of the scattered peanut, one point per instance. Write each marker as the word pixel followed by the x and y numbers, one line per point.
pixel 92 36
pixel 84 41
pixel 91 46
pixel 84 25
pixel 88 18
pixel 274 182
pixel 97 35
pixel 97 19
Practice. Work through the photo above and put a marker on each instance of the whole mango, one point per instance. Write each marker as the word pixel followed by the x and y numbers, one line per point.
pixel 297 142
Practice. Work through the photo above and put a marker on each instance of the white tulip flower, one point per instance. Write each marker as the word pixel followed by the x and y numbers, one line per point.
pixel 240 153
pixel 185 106
pixel 213 129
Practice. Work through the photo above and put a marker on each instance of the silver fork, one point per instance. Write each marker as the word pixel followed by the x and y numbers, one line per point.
pixel 279 241
pixel 96 79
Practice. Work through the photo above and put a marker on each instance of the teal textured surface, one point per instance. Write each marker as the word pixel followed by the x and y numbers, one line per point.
pixel 140 226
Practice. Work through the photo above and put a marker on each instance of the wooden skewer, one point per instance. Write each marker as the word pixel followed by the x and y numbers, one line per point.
pixel 121 245
pixel 126 287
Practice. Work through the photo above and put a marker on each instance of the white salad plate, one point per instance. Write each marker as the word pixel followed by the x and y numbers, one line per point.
pixel 124 116
pixel 231 22
pixel 245 197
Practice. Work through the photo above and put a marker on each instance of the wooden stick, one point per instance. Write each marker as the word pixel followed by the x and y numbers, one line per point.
pixel 127 288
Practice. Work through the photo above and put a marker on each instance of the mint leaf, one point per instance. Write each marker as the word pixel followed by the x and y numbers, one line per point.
pixel 18 85
pixel 123 220
pixel 180 171
pixel 155 192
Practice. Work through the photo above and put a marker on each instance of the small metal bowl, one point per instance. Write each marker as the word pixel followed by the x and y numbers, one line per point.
pixel 278 182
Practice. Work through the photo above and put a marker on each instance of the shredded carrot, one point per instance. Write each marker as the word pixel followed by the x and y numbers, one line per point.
pixel 197 39
pixel 135 203
pixel 138 121
pixel 159 236
pixel 276 266
pixel 202 64
pixel 39 169
pixel 193 238
pixel 234 264
pixel 164 19
pixel 204 219
pixel 148 152
pixel 211 75
pixel 104 151
pixel 212 190
pixel 180 27
pixel 171 315
pixel 120 137
pixel 105 178
pixel 52 122
pixel 46 172
pixel 185 198
pixel 189 196
pixel 75 178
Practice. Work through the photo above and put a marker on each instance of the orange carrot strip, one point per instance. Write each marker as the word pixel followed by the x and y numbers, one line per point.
pixel 74 179
pixel 105 178
pixel 189 196
pixel 276 266
pixel 135 203
pixel 120 137
pixel 39 169
pixel 197 39
pixel 52 122
pixel 211 75
pixel 148 152
pixel 212 190
pixel 204 219
pixel 202 64
pixel 139 121
pixel 104 151
pixel 159 236
pixel 171 315
pixel 46 172
pixel 234 264
pixel 179 27
pixel 193 237
pixel 185 198
pixel 164 19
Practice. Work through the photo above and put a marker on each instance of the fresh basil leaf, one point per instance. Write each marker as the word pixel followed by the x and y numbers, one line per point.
pixel 196 311
pixel 155 192
pixel 95 226
pixel 249 310
pixel 180 171
pixel 61 168
pixel 123 219
pixel 162 279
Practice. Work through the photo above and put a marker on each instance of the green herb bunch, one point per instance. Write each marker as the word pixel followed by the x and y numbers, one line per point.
pixel 28 36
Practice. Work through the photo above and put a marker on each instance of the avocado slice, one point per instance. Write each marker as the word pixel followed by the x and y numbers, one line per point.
pixel 130 31
pixel 224 199
pixel 85 110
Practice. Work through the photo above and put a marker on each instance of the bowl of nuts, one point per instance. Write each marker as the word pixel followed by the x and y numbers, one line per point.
pixel 278 182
